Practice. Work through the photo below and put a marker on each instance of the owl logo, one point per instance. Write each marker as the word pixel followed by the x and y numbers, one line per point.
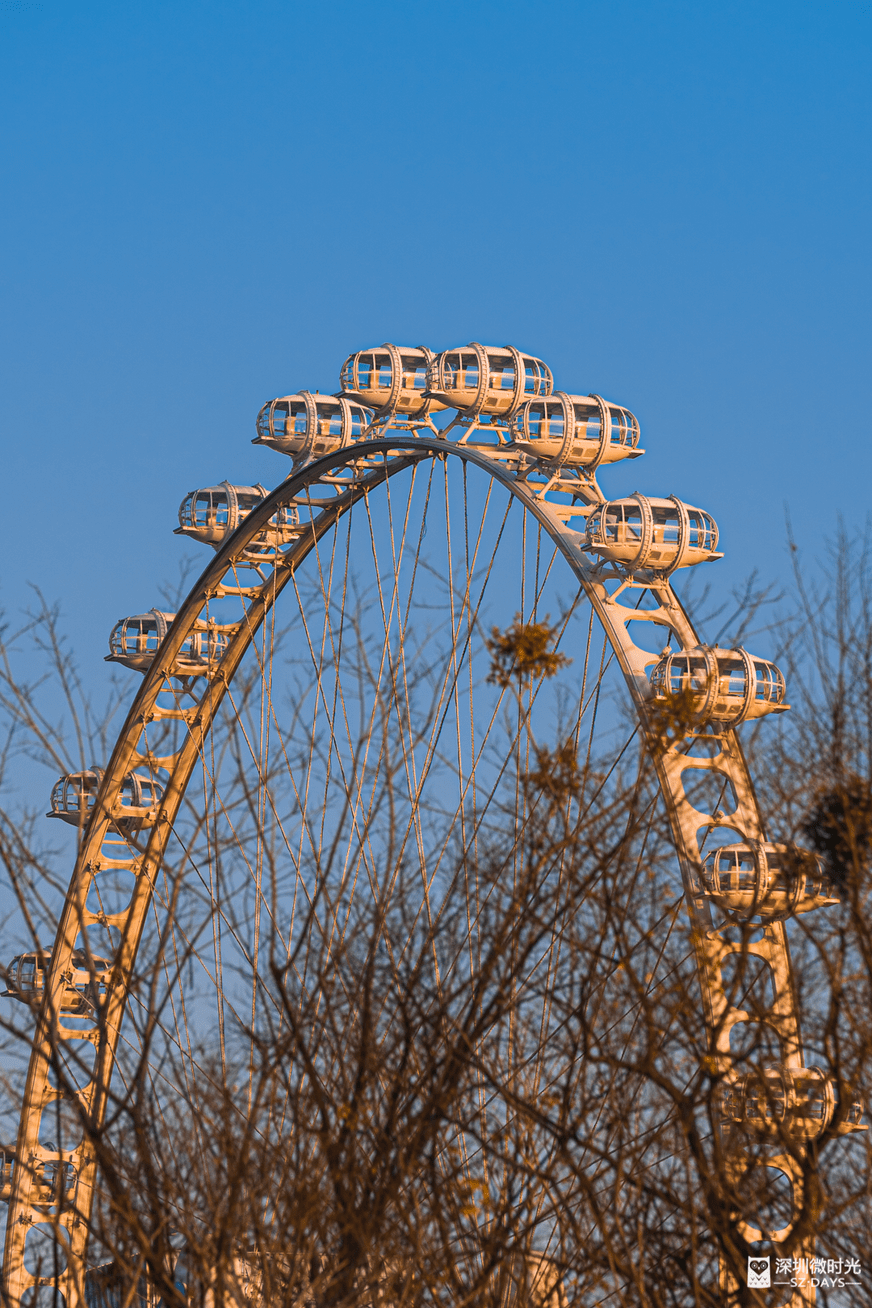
pixel 758 1274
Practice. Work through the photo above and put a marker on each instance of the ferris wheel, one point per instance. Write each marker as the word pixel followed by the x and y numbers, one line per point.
pixel 324 726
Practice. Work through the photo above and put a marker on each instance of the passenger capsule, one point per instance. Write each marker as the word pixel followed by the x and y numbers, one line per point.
pixel 769 881
pixel 798 1102
pixel 390 379
pixel 728 685
pixel 134 641
pixel 211 514
pixel 662 535
pixel 575 430
pixel 85 983
pixel 481 380
pixel 136 804
pixel 307 426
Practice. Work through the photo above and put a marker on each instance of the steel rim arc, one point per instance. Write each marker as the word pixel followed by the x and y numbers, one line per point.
pixel 382 458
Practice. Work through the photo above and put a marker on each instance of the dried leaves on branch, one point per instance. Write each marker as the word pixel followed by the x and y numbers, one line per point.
pixel 523 653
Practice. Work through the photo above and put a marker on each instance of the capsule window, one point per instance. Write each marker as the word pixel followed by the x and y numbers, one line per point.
pixel 811 1104
pixel 769 683
pixel 556 420
pixel 413 374
pixel 88 787
pixel 502 376
pixel 588 424
pixel 280 418
pixel 69 795
pixel 210 508
pixel 667 528
pixel 535 414
pixel 659 678
pixel 701 530
pixel 623 523
pixel 451 371
pixel 683 669
pixel 535 378
pixel 139 636
pixel 380 373
pixel 735 870
pixel 329 420
pixel 732 676
pixel 765 1101
pixel 623 426
pixel 201 506
pixel 773 861
pixel 358 420
pixel 470 368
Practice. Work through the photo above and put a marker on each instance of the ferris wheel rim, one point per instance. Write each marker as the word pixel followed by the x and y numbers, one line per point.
pixel 396 455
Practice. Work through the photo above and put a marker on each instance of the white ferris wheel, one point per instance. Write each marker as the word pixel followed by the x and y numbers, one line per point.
pixel 319 730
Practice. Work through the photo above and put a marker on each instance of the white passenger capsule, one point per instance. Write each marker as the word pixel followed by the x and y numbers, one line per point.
pixel 85 983
pixel 575 430
pixel 390 379
pixel 134 642
pixel 307 426
pixel 484 380
pixel 639 532
pixel 794 1102
pixel 766 880
pixel 726 685
pixel 135 806
pixel 212 513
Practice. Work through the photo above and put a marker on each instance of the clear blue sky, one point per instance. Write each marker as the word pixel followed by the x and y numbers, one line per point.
pixel 208 204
